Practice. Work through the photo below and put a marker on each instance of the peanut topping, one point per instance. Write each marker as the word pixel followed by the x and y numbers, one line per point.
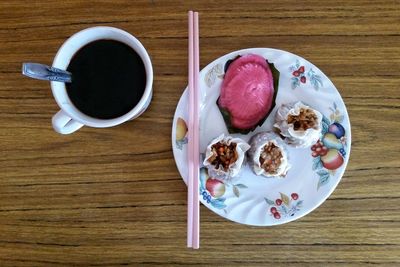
pixel 270 158
pixel 223 154
pixel 305 120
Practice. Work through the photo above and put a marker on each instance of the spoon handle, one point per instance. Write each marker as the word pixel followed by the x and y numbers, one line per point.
pixel 44 72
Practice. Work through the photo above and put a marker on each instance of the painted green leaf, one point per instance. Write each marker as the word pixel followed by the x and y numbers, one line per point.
pixel 316 81
pixel 323 180
pixel 203 177
pixel 218 203
pixel 325 124
pixel 178 144
pixel 322 173
pixel 317 164
pixel 326 120
pixel 295 82
pixel 325 128
pixel 275 75
pixel 241 185
pixel 283 209
pixel 236 191
pixel 269 202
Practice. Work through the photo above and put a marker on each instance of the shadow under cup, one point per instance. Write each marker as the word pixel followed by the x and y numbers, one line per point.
pixel 79 53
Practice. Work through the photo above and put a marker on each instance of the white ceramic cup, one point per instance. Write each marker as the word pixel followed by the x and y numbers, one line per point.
pixel 69 119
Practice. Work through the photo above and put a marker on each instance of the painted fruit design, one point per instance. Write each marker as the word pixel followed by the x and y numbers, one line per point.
pixel 330 151
pixel 215 187
pixel 299 76
pixel 330 148
pixel 337 129
pixel 332 160
pixel 284 206
pixel 180 134
pixel 319 149
pixel 181 129
pixel 330 141
pixel 214 191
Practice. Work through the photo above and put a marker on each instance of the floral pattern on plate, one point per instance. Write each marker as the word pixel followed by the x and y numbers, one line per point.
pixel 181 133
pixel 284 206
pixel 330 151
pixel 213 190
pixel 300 76
pixel 215 72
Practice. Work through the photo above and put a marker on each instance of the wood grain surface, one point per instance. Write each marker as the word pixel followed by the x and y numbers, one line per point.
pixel 109 197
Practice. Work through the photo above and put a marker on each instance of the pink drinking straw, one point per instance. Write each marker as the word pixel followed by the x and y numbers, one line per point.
pixel 190 134
pixel 193 146
pixel 196 138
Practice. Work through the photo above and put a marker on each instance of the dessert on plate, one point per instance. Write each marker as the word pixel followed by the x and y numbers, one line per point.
pixel 268 155
pixel 225 157
pixel 299 124
pixel 247 92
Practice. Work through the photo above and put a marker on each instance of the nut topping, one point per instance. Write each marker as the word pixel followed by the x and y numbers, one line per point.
pixel 223 155
pixel 305 120
pixel 270 158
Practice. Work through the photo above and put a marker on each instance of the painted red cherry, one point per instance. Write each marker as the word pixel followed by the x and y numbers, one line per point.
pixel 324 151
pixel 314 154
pixel 313 148
pixel 273 210
pixel 296 73
pixel 303 79
pixel 294 196
pixel 277 215
pixel 301 69
pixel 278 202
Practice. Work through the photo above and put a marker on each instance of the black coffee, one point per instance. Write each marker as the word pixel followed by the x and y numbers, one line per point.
pixel 108 79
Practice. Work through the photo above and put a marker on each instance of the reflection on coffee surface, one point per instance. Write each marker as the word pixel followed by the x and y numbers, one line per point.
pixel 108 79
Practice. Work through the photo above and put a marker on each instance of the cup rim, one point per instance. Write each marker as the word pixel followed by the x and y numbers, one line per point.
pixel 59 89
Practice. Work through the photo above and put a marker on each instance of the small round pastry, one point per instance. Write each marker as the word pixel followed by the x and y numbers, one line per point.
pixel 225 157
pixel 300 124
pixel 268 155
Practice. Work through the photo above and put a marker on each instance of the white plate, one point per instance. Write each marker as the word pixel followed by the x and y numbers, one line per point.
pixel 256 200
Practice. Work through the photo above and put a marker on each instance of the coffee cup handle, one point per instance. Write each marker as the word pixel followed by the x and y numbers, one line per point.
pixel 63 124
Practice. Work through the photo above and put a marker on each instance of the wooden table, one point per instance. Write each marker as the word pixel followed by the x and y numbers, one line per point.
pixel 103 197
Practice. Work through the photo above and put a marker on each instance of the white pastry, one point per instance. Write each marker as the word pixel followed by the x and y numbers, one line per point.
pixel 225 164
pixel 268 155
pixel 299 124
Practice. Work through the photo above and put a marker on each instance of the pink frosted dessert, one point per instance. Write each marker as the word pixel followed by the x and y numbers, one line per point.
pixel 247 91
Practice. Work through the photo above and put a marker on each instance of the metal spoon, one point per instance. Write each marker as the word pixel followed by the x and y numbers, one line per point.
pixel 47 73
